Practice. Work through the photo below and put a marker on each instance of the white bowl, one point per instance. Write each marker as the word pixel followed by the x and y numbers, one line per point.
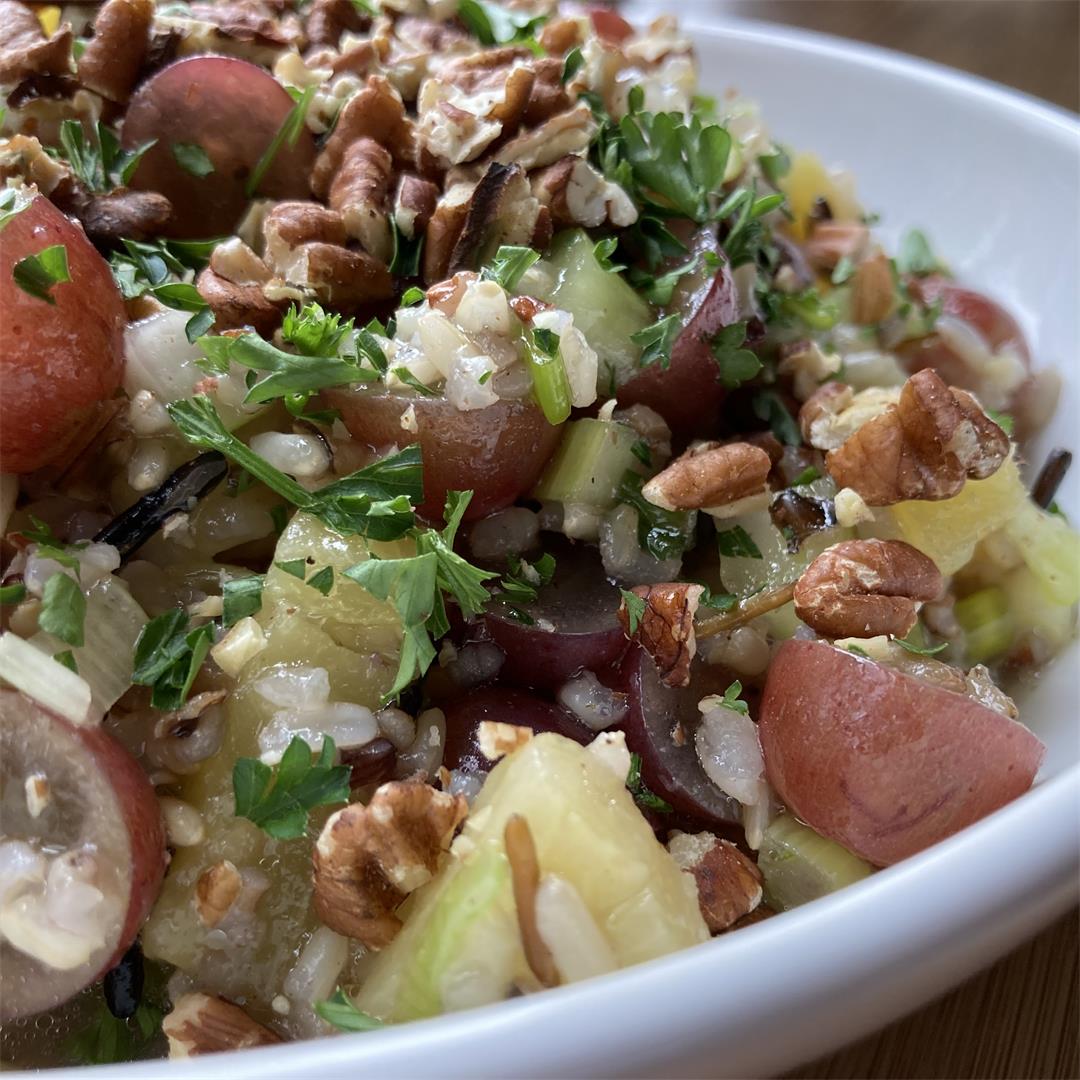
pixel 993 177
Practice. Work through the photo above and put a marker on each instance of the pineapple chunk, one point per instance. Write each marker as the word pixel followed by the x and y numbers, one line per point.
pixel 1038 611
pixel 808 180
pixel 948 530
pixel 460 945
pixel 1051 550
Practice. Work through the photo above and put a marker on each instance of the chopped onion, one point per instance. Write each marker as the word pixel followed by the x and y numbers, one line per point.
pixel 424 754
pixel 53 686
pixel 592 702
pixel 610 748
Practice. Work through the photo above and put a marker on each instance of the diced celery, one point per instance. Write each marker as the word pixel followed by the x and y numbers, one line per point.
pixel 605 308
pixel 588 464
pixel 948 530
pixel 1051 550
pixel 987 622
pixel 800 865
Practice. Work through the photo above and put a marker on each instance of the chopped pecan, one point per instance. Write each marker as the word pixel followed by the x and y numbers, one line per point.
pixel 710 475
pixel 327 20
pixel 579 195
pixel 558 36
pixel 234 261
pixel 216 890
pixel 24 49
pixel 369 858
pixel 202 1024
pixel 114 57
pixel 525 878
pixel 360 192
pixel 548 96
pixel 414 205
pixel 666 628
pixel 862 588
pixel 565 133
pixel 443 231
pixel 376 112
pixel 238 306
pixel 122 215
pixel 834 412
pixel 729 884
pixel 808 365
pixel 925 447
pixel 431 35
pixel 831 241
pixel 289 225
pixel 23 157
pixel 873 291
pixel 251 22
pixel 496 740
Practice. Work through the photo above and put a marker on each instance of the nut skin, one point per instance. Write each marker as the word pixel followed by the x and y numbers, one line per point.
pixel 295 223
pixel 203 1024
pixel 925 447
pixel 863 588
pixel 237 306
pixel 729 883
pixel 711 475
pixel 369 858
pixel 873 294
pixel 666 629
pixel 114 56
pixel 831 241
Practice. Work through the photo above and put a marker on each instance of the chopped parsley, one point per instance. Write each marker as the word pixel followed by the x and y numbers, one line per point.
pixel 737 365
pixel 344 1015
pixel 737 543
pixel 523 580
pixel 412 295
pixel 645 798
pixel 493 24
pixel 192 158
pixel 101 164
pixel 405 261
pixel 664 534
pixel 572 64
pixel 807 476
pixel 911 647
pixel 509 265
pixel 640 449
pixel 108 1040
pixel 13 593
pixel 67 659
pixel 915 255
pixel 12 201
pixel 717 601
pixel 37 274
pixel 1003 420
pixel 287 134
pixel 732 701
pixel 635 609
pixel 602 252
pixel 658 340
pixel 403 374
pixel 775 165
pixel 278 801
pixel 240 598
pixel 768 407
pixel 168 656
pixel 811 308
pixel 63 609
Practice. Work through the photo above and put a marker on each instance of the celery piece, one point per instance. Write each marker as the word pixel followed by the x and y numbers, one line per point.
pixel 605 308
pixel 589 464
pixel 988 623
pixel 550 382
pixel 1051 549
pixel 800 865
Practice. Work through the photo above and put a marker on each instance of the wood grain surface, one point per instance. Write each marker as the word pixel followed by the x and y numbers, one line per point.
pixel 1021 1018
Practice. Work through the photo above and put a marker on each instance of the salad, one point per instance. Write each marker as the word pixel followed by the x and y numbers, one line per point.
pixel 476 514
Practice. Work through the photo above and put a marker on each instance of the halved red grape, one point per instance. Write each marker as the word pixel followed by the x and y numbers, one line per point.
pixel 688 393
pixel 671 768
pixel 230 110
pixel 574 623
pixel 505 707
pixel 60 361
pixel 497 452
pixel 609 25
pixel 100 806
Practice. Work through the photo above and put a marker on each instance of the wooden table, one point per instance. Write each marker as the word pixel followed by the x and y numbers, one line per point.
pixel 1021 1017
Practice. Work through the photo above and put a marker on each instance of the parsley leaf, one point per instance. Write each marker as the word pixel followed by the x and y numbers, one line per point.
pixel 737 365
pixel 664 534
pixel 168 657
pixel 344 1015
pixel 635 609
pixel 768 407
pixel 410 380
pixel 192 158
pixel 522 582
pixel 1003 420
pixel 12 201
pixel 807 476
pixel 67 658
pixel 322 580
pixel 737 543
pixel 509 265
pixel 241 597
pixel 811 309
pixel 494 24
pixel 412 295
pixel 279 803
pixel 642 795
pixel 910 647
pixel 915 255
pixel 857 650
pixel 718 601
pixel 313 331
pixel 375 501
pixel 572 64
pixel 405 261
pixel 108 1040
pixel 287 134
pixel 657 340
pixel 775 165
pixel 63 609
pixel 37 274
pixel 101 165
pixel 731 699
pixel 602 252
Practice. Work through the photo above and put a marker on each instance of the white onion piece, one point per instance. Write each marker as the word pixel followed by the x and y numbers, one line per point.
pixel 592 702
pixel 610 748
pixel 567 928
pixel 727 747
pixel 54 687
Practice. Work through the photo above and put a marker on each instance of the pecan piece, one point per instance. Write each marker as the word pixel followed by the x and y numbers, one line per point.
pixel 666 628
pixel 729 884
pixel 831 241
pixel 327 20
pixel 925 447
pixel 834 412
pixel 114 57
pixel 202 1024
pixel 443 231
pixel 565 133
pixel 237 306
pixel 122 215
pixel 360 191
pixel 579 195
pixel 496 739
pixel 216 890
pixel 414 205
pixel 369 858
pixel 862 588
pixel 548 96
pixel 710 475
pixel 24 49
pixel 873 292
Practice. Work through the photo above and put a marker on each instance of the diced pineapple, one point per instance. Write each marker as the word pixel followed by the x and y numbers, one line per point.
pixel 948 530
pixel 460 944
pixel 809 180
pixel 1037 611
pixel 1051 550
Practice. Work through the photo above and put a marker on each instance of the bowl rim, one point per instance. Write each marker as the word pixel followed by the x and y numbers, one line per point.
pixel 1043 875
